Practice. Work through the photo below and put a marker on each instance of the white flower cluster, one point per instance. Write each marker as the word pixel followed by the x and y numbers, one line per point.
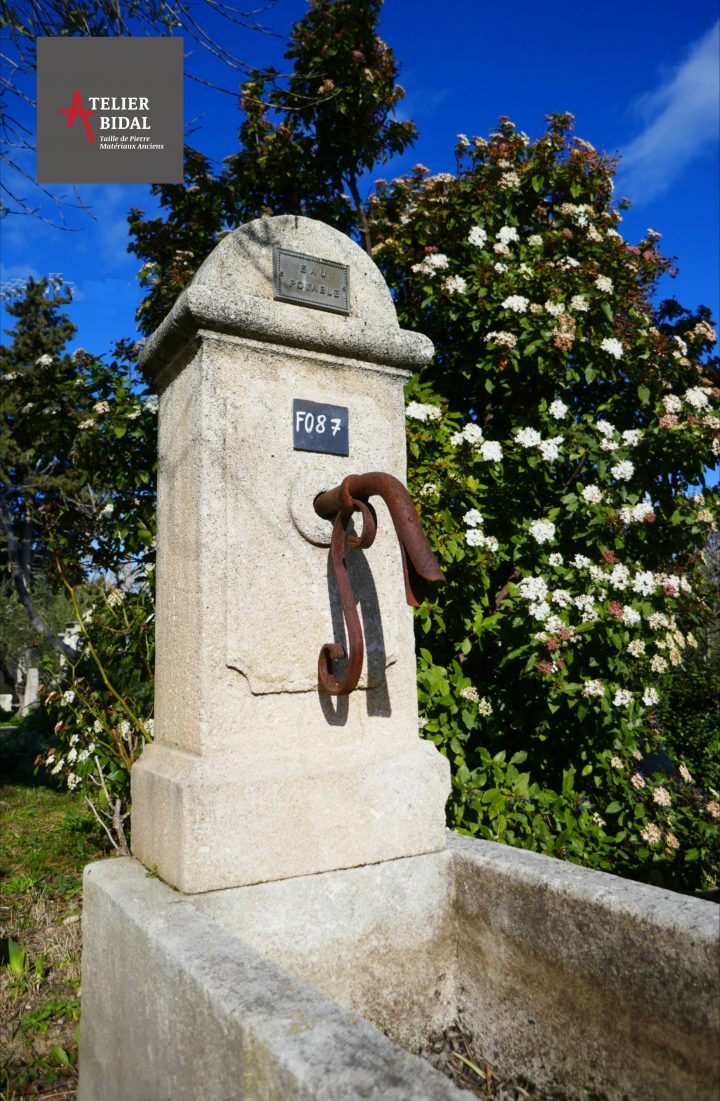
pixel 455 284
pixel 604 284
pixel 697 396
pixel 477 236
pixel 561 597
pixel 422 412
pixel 586 606
pixel 491 451
pixel 623 471
pixel 637 514
pixel 477 538
pixel 508 181
pixel 592 494
pixel 43 360
pixel 549 448
pixel 542 531
pixel 558 409
pixel 578 214
pixel 579 303
pixel 474 536
pixel 644 583
pixel 516 302
pixel 608 431
pixel 533 588
pixel 612 346
pixel 619 576
pixel 528 437
pixel 596 688
pixel 506 234
pixel 471 433
pixel 505 340
pixel 434 261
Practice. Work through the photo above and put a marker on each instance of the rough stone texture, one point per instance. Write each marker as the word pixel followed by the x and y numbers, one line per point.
pixel 595 988
pixel 255 774
pixel 177 1009
pixel 380 940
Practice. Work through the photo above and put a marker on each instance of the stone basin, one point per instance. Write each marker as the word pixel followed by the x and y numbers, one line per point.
pixel 322 986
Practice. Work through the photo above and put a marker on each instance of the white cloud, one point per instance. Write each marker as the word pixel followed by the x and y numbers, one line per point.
pixel 13 277
pixel 683 121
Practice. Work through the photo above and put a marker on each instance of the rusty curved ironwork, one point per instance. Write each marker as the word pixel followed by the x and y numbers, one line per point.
pixel 420 568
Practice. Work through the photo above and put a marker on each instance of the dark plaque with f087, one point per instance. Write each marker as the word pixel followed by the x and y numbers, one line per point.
pixel 319 427
pixel 309 281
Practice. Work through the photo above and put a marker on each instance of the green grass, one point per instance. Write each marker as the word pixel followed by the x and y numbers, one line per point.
pixel 47 838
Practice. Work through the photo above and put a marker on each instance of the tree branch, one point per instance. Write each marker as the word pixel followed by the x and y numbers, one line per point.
pixel 20 583
pixel 360 210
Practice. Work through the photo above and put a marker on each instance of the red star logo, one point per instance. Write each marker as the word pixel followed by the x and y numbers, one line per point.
pixel 76 109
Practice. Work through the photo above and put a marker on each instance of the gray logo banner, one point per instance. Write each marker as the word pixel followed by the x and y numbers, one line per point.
pixel 109 110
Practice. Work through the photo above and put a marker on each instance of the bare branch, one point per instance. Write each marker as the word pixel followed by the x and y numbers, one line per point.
pixel 111 839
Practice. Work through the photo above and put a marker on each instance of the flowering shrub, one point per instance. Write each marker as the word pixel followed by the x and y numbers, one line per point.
pixel 557 444
pixel 77 502
pixel 103 705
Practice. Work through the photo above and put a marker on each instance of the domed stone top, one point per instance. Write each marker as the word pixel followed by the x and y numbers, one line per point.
pixel 235 292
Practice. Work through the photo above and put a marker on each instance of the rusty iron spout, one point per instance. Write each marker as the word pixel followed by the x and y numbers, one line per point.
pixel 420 568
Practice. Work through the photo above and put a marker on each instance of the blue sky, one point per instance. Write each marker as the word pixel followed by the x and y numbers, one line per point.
pixel 640 78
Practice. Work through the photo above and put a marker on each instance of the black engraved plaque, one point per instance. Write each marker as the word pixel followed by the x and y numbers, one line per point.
pixel 309 281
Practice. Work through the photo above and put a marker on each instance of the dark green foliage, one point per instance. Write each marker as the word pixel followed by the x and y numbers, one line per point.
pixel 303 143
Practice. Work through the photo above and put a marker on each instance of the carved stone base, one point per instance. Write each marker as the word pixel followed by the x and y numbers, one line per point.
pixel 205 823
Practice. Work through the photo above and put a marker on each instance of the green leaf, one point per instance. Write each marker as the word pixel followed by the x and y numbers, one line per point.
pixel 18 961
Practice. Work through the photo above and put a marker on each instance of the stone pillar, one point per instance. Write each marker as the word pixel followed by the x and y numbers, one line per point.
pixel 30 690
pixel 255 774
